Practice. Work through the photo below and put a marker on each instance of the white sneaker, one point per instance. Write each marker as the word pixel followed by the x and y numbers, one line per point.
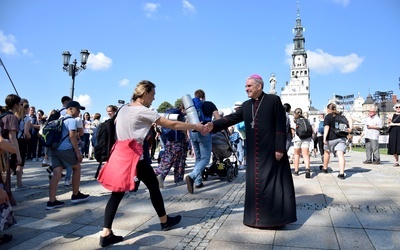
pixel 67 183
pixel 44 163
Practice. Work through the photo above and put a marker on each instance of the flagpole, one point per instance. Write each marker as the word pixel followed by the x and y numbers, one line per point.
pixel 2 64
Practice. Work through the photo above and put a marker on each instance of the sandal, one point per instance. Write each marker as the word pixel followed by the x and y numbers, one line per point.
pixel 396 164
pixel 296 173
pixel 322 169
pixel 308 173
pixel 5 238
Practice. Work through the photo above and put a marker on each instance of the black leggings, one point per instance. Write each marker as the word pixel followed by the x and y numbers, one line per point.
pixel 148 177
pixel 320 140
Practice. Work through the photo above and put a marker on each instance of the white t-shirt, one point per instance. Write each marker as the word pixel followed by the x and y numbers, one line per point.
pixel 134 122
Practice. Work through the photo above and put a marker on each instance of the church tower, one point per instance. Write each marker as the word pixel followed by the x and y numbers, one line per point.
pixel 297 91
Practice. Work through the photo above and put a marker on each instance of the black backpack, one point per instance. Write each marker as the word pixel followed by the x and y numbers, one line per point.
pixel 303 128
pixel 55 116
pixel 168 134
pixel 341 126
pixel 105 139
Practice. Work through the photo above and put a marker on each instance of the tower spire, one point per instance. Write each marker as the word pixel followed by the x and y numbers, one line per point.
pixel 297 92
pixel 298 9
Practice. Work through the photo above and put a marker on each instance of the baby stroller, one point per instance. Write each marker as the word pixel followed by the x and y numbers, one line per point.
pixel 221 165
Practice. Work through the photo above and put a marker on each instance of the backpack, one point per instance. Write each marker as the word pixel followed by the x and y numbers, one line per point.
pixel 168 134
pixel 303 128
pixel 321 127
pixel 56 115
pixel 341 126
pixel 105 139
pixel 198 104
pixel 51 134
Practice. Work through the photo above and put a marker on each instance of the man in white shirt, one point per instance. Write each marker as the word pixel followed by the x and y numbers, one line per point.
pixel 371 133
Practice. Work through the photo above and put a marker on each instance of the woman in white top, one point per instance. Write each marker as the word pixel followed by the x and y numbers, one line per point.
pixel 301 146
pixel 133 122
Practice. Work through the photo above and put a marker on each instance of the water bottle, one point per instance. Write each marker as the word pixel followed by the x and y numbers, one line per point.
pixel 191 111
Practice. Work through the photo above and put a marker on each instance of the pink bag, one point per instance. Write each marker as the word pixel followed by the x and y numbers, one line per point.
pixel 119 173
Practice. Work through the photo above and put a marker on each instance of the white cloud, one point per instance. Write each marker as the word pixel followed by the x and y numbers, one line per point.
pixel 124 82
pixel 342 2
pixel 150 8
pixel 99 61
pixel 85 101
pixel 7 44
pixel 27 52
pixel 188 7
pixel 321 62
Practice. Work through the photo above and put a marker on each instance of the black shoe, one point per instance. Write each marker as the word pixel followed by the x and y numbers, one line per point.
pixel 200 185
pixel 367 162
pixel 189 184
pixel 341 176
pixel 137 183
pixel 54 204
pixel 308 174
pixel 110 239
pixel 376 162
pixel 5 238
pixel 171 221
pixel 79 197
pixel 296 173
pixel 322 169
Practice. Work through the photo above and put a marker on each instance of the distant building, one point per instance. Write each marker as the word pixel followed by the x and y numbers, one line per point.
pixel 297 90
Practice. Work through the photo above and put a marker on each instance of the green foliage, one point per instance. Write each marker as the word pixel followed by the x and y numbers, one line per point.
pixel 163 107
pixel 178 102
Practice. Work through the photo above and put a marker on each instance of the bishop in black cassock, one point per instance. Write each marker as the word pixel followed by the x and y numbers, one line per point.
pixel 270 197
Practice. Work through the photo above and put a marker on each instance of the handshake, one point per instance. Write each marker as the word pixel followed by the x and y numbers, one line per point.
pixel 204 129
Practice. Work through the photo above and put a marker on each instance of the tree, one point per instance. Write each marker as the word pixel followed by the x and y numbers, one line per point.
pixel 178 103
pixel 163 107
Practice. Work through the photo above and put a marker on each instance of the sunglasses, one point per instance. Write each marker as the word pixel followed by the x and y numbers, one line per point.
pixel 397 107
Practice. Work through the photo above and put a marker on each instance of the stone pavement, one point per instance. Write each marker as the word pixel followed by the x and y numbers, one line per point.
pixel 362 211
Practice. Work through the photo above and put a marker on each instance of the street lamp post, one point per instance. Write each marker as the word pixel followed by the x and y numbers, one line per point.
pixel 382 97
pixel 72 69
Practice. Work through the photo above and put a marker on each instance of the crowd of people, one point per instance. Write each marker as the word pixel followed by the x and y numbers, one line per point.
pixel 260 127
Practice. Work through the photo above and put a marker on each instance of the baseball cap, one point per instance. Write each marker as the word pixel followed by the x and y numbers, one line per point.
pixel 74 104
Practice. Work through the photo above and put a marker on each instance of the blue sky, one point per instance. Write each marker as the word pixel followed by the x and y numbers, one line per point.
pixel 353 47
